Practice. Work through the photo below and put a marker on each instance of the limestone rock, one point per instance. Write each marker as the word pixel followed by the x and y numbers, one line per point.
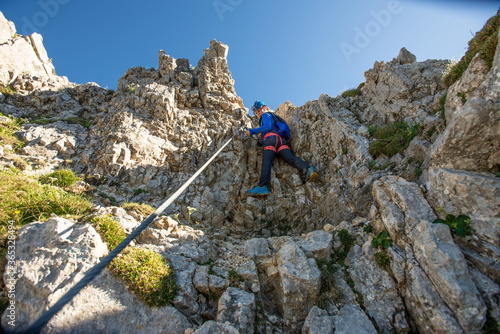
pixel 466 87
pixel 248 272
pixel 299 282
pixel 257 248
pixel 238 308
pixel 210 327
pixel 406 57
pixel 22 54
pixel 418 149
pixel 425 306
pixel 317 244
pixel 402 203
pixel 474 194
pixel 352 320
pixel 208 283
pixel 318 321
pixel 397 91
pixel 471 139
pixel 7 29
pixel 51 257
pixel 380 295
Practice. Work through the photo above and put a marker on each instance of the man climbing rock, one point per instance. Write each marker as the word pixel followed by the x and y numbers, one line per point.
pixel 273 144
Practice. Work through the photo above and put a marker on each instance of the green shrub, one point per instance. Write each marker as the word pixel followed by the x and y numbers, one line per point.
pixel 346 239
pixel 491 325
pixel 368 228
pixel 392 138
pixel 382 240
pixel 339 255
pixel 61 177
pixel 459 225
pixel 140 191
pixel 327 269
pixel 351 93
pixel 110 230
pixel 372 129
pixel 484 42
pixel 147 274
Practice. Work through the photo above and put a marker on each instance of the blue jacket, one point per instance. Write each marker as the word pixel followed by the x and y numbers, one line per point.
pixel 267 125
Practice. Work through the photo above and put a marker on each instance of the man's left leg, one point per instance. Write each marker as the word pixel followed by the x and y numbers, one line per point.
pixel 286 154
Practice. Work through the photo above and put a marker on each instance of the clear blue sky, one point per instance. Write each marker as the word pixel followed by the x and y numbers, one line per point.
pixel 278 50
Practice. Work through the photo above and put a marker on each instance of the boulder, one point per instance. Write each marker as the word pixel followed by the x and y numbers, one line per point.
pixel 317 244
pixel 474 194
pixel 405 57
pixel 471 140
pixel 408 218
pixel 380 294
pixel 211 327
pixel 352 320
pixel 299 282
pixel 52 257
pixel 237 307
pixel 318 321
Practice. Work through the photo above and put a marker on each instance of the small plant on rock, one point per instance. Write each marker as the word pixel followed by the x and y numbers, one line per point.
pixel 382 240
pixel 339 255
pixel 234 278
pixel 131 88
pixel 190 212
pixel 459 225
pixel 368 228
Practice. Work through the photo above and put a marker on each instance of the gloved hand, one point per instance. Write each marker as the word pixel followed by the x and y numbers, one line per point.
pixel 247 132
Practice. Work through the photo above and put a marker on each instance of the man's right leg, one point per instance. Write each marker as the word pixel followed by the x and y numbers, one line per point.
pixel 267 163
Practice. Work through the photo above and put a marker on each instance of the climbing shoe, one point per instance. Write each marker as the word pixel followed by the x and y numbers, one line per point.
pixel 311 175
pixel 258 191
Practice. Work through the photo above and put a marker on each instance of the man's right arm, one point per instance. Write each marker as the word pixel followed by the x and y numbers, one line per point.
pixel 266 125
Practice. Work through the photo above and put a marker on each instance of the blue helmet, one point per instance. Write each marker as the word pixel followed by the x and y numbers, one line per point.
pixel 257 105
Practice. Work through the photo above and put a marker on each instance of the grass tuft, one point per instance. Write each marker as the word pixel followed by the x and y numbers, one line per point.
pixel 147 274
pixel 142 208
pixel 484 42
pixel 8 131
pixel 351 93
pixel 25 200
pixel 61 178
pixel 392 139
pixel 109 229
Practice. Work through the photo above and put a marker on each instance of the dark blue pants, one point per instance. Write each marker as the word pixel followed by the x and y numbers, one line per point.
pixel 276 145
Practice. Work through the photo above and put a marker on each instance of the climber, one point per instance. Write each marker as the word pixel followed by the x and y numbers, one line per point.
pixel 272 144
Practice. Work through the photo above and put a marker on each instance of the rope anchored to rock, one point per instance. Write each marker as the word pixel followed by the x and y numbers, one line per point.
pixel 37 326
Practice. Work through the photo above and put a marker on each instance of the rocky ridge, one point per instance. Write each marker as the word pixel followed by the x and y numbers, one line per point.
pixel 160 125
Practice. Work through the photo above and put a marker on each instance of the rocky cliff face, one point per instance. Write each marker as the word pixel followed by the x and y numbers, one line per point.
pixel 144 140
